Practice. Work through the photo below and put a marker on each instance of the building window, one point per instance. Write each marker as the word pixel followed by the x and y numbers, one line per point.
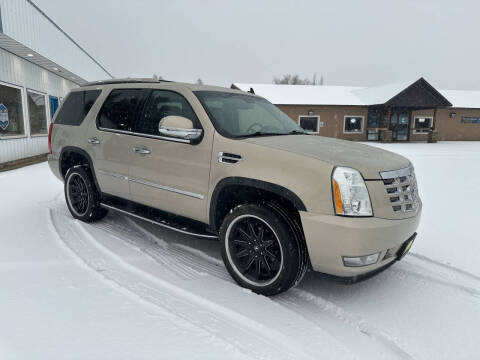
pixel 353 124
pixel 470 120
pixel 310 123
pixel 37 112
pixel 421 124
pixel 11 112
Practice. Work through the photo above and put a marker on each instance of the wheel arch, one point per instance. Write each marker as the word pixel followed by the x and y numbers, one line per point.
pixel 71 156
pixel 246 187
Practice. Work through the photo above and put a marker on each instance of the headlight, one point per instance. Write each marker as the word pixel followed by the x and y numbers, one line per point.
pixel 350 194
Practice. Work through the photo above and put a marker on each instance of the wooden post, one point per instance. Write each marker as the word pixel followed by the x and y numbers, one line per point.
pixel 434 120
pixel 389 114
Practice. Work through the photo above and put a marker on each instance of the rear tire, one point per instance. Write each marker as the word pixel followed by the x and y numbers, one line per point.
pixel 82 196
pixel 261 250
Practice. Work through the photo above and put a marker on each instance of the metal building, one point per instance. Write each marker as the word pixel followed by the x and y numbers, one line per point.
pixel 39 64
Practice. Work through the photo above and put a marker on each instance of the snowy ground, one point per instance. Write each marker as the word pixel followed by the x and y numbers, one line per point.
pixel 124 289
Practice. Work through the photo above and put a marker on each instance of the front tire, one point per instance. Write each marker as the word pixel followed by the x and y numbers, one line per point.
pixel 83 199
pixel 261 250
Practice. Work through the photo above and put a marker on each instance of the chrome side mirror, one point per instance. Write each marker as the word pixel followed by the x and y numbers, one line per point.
pixel 178 127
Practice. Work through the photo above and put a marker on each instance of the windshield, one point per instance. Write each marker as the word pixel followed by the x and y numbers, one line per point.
pixel 237 115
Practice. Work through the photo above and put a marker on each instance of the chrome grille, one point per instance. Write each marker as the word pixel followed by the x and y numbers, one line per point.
pixel 401 187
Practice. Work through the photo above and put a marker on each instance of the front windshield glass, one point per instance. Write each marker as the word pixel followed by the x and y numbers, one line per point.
pixel 238 115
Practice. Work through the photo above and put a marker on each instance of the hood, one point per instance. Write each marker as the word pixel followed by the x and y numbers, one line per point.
pixel 367 159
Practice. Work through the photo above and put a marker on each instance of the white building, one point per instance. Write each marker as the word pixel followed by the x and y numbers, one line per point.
pixel 39 64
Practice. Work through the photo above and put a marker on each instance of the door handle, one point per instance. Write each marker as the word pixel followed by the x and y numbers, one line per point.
pixel 93 140
pixel 141 150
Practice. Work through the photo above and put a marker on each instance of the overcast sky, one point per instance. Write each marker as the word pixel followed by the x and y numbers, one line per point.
pixel 351 42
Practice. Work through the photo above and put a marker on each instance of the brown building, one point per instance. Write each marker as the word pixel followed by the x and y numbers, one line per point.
pixel 409 111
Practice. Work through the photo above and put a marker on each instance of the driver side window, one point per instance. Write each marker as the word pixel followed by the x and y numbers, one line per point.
pixel 162 103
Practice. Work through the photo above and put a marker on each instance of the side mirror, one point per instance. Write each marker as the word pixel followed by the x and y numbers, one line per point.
pixel 178 127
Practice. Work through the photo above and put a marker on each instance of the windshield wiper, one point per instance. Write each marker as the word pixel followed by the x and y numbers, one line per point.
pixel 296 132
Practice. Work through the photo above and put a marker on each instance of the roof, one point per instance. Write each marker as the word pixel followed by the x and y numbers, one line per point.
pixel 356 95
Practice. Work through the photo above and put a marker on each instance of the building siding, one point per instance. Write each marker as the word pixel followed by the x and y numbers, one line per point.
pixel 26 75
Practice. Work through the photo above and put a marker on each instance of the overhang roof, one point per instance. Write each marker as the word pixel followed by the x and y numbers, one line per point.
pixel 29 33
pixel 416 93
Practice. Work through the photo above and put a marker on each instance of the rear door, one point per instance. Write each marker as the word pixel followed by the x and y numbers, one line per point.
pixel 169 174
pixel 109 140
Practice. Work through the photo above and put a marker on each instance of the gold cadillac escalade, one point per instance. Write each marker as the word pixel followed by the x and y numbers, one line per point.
pixel 220 163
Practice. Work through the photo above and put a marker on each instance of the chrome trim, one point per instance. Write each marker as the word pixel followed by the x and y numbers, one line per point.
pixel 158 223
pixel 93 140
pixel 180 133
pixel 394 174
pixel 151 184
pixel 141 150
pixel 221 156
pixel 115 175
pixel 145 135
pixel 167 188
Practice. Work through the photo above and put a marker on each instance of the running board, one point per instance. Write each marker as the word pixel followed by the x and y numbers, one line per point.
pixel 159 218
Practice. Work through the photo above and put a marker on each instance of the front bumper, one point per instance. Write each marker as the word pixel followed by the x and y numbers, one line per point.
pixel 330 237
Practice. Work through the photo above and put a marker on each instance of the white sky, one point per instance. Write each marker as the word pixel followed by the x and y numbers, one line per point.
pixel 351 42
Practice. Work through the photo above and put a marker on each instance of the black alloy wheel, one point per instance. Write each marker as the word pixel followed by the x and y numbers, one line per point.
pixel 254 249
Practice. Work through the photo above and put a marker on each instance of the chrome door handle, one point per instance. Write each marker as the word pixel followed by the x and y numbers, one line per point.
pixel 141 150
pixel 93 140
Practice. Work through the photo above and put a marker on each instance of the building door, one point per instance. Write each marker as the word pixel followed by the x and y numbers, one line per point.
pixel 400 124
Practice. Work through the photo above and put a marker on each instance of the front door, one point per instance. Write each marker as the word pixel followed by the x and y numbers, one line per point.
pixel 165 173
pixel 400 124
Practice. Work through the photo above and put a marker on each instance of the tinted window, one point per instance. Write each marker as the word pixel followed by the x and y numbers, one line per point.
pixel 11 112
pixel 163 103
pixel 119 110
pixel 76 107
pixel 37 112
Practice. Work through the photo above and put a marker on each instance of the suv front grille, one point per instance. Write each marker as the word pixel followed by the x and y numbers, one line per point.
pixel 401 186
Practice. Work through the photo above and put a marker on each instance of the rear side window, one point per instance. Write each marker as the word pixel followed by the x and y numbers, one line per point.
pixel 76 107
pixel 119 110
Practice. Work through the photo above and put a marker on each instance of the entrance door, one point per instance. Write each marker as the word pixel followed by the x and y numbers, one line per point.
pixel 400 124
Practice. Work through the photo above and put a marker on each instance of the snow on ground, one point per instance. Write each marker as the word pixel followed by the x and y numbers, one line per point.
pixel 125 289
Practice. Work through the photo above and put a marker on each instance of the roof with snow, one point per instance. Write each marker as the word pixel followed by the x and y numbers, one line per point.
pixel 417 93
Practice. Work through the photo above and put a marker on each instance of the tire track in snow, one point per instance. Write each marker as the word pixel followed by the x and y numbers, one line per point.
pixel 445 266
pixel 98 270
pixel 333 310
pixel 263 342
pixel 445 283
pixel 351 320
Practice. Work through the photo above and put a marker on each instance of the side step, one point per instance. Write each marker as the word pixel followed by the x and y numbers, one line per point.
pixel 157 217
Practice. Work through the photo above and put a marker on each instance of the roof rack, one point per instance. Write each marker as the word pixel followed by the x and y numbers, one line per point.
pixel 124 81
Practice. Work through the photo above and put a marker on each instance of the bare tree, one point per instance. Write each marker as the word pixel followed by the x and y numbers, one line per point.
pixel 289 79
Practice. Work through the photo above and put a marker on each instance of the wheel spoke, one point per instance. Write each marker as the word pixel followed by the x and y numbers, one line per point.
pixel 250 261
pixel 242 243
pixel 258 269
pixel 244 234
pixel 268 243
pixel 270 255
pixel 266 264
pixel 252 230
pixel 243 253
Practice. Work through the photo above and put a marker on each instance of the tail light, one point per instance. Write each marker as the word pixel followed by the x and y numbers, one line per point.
pixel 50 129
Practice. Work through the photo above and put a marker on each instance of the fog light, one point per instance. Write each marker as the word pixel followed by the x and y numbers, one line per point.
pixel 360 260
